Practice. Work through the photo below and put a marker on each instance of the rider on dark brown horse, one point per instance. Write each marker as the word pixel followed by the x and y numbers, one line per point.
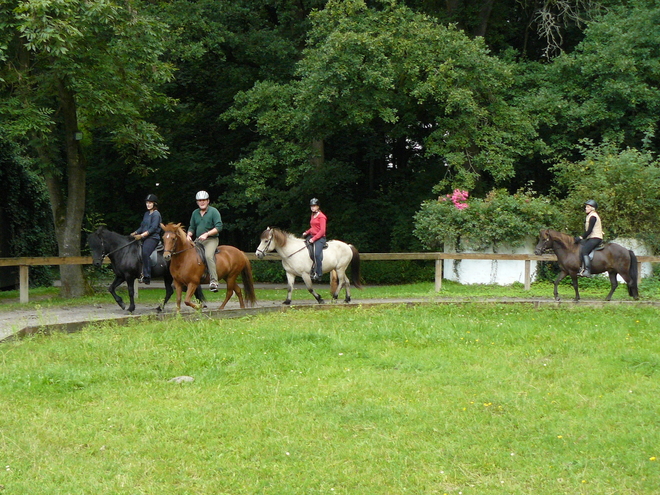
pixel 592 237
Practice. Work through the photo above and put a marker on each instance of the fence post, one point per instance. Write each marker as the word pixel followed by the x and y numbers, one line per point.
pixel 438 274
pixel 528 274
pixel 24 283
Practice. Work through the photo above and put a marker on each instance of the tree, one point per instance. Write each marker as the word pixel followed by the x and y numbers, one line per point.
pixel 605 90
pixel 72 69
pixel 395 98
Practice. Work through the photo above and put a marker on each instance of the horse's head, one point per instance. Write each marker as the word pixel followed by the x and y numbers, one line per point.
pixel 545 242
pixel 172 235
pixel 267 243
pixel 97 246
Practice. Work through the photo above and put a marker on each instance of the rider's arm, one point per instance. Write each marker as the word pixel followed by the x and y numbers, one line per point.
pixel 592 224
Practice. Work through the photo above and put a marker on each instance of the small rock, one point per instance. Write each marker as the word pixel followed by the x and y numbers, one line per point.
pixel 182 379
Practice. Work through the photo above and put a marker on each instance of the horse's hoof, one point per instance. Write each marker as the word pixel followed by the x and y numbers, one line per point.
pixel 287 302
pixel 159 309
pixel 347 300
pixel 131 309
pixel 321 301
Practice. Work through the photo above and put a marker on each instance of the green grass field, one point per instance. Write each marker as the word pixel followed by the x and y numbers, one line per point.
pixel 431 399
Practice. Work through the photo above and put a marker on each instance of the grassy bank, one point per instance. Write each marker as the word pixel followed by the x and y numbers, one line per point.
pixel 470 399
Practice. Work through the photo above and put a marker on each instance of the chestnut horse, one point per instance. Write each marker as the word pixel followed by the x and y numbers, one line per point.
pixel 613 259
pixel 188 267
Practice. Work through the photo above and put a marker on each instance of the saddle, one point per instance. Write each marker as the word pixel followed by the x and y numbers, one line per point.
pixel 599 248
pixel 310 249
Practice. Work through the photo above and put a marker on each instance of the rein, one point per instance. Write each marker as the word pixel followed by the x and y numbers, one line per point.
pixel 265 250
pixel 179 252
pixel 103 256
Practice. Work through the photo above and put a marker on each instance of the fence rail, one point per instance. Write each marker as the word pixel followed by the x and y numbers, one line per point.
pixel 25 263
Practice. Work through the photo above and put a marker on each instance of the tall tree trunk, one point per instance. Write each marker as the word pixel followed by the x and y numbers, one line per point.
pixel 68 210
pixel 318 146
pixel 484 17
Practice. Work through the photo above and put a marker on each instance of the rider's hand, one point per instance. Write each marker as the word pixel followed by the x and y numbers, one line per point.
pixel 136 236
pixel 577 239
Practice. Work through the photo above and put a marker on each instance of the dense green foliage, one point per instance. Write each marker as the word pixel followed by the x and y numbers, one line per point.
pixel 499 218
pixel 449 398
pixel 625 183
pixel 25 221
pixel 373 106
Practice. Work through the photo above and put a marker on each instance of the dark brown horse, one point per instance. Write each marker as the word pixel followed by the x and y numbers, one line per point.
pixel 613 259
pixel 188 268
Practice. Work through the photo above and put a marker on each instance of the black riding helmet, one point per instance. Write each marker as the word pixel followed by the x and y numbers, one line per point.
pixel 314 202
pixel 152 198
pixel 591 202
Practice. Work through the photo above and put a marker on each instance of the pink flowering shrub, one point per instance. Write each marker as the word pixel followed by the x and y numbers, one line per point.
pixel 458 198
pixel 483 222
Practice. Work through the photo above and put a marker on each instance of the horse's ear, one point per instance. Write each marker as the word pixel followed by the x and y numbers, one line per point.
pixel 162 226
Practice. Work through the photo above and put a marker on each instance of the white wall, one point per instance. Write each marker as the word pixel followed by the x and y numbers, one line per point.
pixel 499 272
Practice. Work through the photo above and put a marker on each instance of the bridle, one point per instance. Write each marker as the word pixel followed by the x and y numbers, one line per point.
pixel 172 253
pixel 267 249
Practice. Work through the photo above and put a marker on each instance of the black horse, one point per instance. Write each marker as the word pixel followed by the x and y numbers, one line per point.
pixel 126 262
pixel 613 259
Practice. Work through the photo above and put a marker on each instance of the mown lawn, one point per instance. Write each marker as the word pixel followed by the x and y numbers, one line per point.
pixel 454 398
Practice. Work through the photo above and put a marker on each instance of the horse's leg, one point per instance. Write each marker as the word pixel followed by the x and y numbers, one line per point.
pixel 168 293
pixel 116 283
pixel 560 277
pixel 199 295
pixel 343 282
pixel 130 281
pixel 232 287
pixel 179 290
pixel 613 282
pixel 190 291
pixel 308 283
pixel 290 280
pixel 574 281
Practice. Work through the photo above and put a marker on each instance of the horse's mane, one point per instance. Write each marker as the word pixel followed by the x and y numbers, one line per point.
pixel 104 230
pixel 281 236
pixel 176 228
pixel 564 239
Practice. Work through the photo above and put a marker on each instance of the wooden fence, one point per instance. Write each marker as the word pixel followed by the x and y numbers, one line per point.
pixel 25 263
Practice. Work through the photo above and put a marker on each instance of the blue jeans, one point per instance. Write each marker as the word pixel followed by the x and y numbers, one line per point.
pixel 148 246
pixel 318 255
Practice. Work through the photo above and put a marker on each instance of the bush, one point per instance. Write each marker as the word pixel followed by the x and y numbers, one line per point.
pixel 480 223
pixel 626 185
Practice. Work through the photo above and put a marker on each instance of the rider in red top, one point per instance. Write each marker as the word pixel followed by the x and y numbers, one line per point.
pixel 315 235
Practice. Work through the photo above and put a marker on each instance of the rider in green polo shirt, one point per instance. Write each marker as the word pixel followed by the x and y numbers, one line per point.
pixel 205 225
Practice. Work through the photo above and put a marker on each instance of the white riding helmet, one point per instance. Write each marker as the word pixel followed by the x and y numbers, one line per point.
pixel 201 195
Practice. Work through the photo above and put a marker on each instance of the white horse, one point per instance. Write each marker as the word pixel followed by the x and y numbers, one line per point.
pixel 297 262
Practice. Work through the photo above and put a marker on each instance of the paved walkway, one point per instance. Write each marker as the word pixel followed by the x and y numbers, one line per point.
pixel 18 323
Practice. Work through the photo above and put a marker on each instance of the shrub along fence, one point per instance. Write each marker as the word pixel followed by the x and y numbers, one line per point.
pixel 24 264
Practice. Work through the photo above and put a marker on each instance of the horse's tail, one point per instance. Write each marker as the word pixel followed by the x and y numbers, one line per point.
pixel 248 283
pixel 632 271
pixel 355 268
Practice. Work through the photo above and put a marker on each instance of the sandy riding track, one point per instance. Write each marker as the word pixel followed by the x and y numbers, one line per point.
pixel 19 323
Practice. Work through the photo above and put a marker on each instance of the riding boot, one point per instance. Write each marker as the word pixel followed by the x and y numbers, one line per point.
pixel 586 271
